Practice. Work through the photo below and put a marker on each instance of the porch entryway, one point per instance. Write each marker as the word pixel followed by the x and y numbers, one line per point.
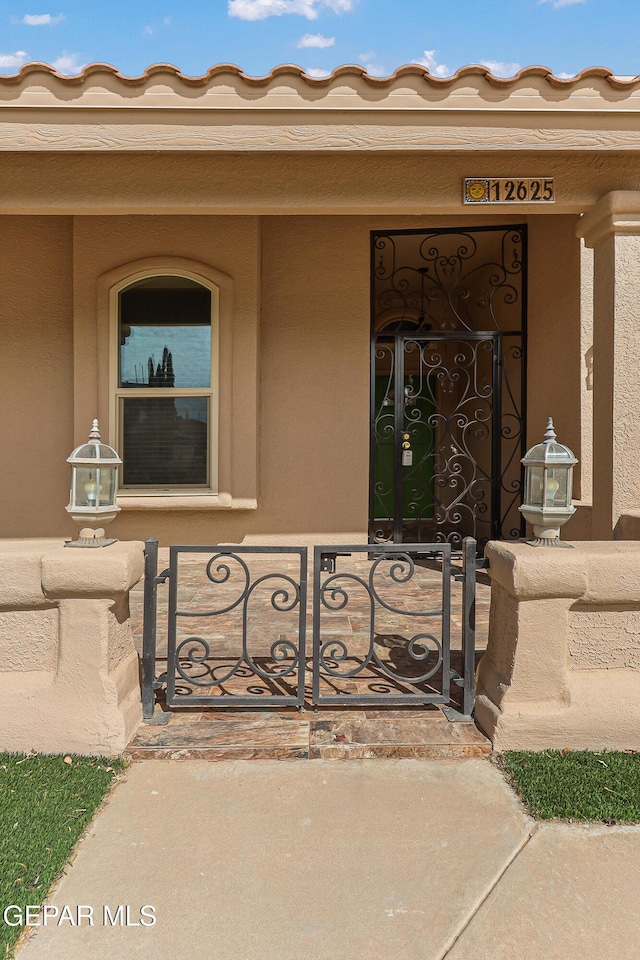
pixel 448 315
pixel 391 644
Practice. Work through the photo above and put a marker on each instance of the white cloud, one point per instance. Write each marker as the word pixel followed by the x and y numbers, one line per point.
pixel 41 19
pixel 318 74
pixel 435 69
pixel 316 40
pixel 368 60
pixel 13 59
pixel 501 69
pixel 261 9
pixel 68 63
pixel 498 68
pixel 565 76
pixel 150 29
pixel 557 4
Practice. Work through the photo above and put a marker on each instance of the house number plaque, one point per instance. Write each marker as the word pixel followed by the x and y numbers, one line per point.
pixel 509 190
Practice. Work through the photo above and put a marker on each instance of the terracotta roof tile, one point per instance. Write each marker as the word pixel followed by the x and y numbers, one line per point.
pixel 290 70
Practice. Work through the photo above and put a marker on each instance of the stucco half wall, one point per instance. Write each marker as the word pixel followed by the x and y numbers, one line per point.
pixel 562 666
pixel 69 674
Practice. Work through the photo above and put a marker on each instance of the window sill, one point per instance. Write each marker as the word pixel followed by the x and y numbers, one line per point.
pixel 220 501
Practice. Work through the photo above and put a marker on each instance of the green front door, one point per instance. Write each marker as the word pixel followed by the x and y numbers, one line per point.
pixel 415 478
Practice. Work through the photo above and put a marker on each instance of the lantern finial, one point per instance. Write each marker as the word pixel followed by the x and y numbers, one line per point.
pixel 549 434
pixel 95 432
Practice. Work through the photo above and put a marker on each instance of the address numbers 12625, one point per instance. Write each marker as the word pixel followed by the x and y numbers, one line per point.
pixel 509 190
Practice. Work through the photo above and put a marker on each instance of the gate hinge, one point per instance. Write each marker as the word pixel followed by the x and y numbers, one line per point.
pixel 328 561
pixel 163 577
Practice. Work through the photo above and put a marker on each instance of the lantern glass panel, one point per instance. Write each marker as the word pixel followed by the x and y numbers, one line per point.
pixel 534 486
pixel 556 487
pixel 86 486
pixel 108 477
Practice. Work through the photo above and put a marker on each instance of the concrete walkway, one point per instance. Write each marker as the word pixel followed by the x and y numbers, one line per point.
pixel 367 860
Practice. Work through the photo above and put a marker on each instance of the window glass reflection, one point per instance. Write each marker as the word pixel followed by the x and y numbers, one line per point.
pixel 165 334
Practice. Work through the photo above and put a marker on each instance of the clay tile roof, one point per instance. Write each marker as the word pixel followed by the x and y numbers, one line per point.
pixel 290 70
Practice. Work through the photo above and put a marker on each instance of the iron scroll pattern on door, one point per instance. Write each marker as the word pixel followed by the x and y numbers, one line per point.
pixel 448 379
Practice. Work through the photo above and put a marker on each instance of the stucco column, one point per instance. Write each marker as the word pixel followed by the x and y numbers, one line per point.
pixel 562 666
pixel 612 229
pixel 69 676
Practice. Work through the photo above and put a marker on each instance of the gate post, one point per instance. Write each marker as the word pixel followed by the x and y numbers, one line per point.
pixel 469 548
pixel 149 626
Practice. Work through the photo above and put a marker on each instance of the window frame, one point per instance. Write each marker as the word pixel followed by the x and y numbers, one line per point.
pixel 116 392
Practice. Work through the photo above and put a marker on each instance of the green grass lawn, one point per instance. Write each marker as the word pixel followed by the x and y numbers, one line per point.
pixel 45 805
pixel 576 785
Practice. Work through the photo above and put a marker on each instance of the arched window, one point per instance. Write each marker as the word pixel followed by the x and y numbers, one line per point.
pixel 166 384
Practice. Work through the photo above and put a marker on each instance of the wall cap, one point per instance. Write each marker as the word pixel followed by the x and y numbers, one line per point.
pixel 106 572
pixel 592 572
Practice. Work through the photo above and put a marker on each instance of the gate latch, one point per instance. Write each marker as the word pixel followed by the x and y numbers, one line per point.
pixel 328 561
pixel 163 577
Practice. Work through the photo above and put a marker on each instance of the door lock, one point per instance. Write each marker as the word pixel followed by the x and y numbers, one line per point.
pixel 407 452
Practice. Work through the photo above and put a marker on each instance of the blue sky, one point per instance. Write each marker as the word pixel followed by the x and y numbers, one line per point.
pixel 565 35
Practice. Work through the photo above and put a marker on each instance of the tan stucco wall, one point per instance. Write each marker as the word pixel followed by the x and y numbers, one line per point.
pixel 554 363
pixel 616 432
pixel 306 279
pixel 346 182
pixel 36 374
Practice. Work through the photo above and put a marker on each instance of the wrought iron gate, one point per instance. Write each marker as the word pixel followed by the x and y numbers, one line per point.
pixel 381 622
pixel 447 384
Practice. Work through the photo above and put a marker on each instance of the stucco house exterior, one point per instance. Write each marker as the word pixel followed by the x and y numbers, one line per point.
pixel 298 261
pixel 330 311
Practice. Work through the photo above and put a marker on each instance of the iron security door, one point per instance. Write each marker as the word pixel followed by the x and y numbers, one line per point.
pixel 436 438
pixel 447 385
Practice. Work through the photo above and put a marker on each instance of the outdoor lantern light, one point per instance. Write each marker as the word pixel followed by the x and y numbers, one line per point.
pixel 94 482
pixel 548 481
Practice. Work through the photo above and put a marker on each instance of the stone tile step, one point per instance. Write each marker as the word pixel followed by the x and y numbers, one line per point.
pixel 331 735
